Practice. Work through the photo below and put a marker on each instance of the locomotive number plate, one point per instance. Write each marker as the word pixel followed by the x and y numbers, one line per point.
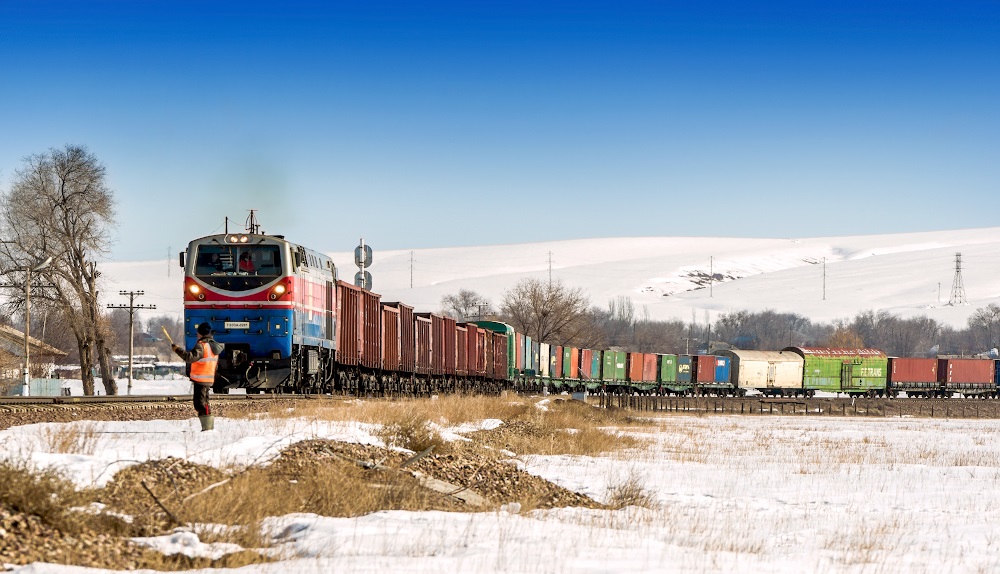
pixel 237 325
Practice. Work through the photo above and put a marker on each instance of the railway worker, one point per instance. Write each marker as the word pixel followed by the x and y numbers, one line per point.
pixel 203 358
pixel 246 264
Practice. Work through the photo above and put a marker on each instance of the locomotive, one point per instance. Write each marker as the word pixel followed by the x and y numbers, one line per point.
pixel 290 325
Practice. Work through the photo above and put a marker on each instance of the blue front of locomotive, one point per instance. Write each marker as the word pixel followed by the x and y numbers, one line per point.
pixel 244 286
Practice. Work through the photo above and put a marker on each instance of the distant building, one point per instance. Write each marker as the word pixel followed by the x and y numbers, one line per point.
pixel 42 358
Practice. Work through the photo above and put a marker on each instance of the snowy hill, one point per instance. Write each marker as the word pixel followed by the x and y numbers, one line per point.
pixel 668 276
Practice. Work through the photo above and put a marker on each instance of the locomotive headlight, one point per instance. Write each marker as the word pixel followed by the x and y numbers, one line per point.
pixel 194 289
pixel 278 291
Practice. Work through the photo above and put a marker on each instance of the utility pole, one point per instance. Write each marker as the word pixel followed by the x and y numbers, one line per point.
pixel 711 274
pixel 824 278
pixel 132 308
pixel 550 269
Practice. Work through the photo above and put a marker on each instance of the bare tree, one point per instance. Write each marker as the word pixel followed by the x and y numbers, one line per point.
pixel 984 325
pixel 467 306
pixel 59 206
pixel 546 311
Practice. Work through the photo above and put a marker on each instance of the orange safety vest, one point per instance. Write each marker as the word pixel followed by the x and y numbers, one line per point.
pixel 203 370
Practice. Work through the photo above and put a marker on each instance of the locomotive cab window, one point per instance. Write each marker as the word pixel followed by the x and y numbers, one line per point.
pixel 238 267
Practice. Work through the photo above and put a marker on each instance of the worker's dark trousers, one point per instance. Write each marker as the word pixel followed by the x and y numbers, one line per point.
pixel 201 399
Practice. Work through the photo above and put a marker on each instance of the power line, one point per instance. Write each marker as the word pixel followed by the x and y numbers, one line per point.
pixel 132 308
pixel 957 286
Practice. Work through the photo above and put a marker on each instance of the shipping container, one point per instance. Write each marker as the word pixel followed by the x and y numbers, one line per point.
pixel 545 364
pixel 529 370
pixel 518 353
pixel 636 363
pixel 571 363
pixel 712 373
pixel 918 377
pixel 967 376
pixel 557 362
pixel 853 371
pixel 675 373
pixel 536 356
pixel 649 367
pixel 770 372
pixel 613 366
pixel 390 338
pixel 359 328
pixel 587 371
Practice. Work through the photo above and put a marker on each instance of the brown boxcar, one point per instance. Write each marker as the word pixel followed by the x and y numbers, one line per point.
pixel 437 343
pixel 422 334
pixel 407 332
pixel 500 350
pixel 390 338
pixel 488 350
pixel 449 345
pixel 359 328
pixel 913 375
pixel 461 350
pixel 967 376
pixel 476 350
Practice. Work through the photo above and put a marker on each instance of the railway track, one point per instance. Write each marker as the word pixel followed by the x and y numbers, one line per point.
pixel 843 407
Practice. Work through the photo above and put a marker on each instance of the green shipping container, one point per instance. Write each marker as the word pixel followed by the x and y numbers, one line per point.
pixel 614 366
pixel 854 371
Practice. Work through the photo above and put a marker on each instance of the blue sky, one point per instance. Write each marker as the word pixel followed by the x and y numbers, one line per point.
pixel 433 124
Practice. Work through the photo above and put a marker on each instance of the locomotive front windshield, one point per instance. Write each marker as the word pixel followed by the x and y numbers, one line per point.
pixel 237 267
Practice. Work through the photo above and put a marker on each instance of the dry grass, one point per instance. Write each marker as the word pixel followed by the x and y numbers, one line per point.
pixel 80 438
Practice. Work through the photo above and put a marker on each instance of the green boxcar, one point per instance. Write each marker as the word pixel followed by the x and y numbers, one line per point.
pixel 853 371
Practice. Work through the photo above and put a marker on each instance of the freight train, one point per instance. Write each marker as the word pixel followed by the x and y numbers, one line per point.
pixel 289 325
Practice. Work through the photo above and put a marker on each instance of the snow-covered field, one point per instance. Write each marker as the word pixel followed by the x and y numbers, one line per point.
pixel 906 274
pixel 730 494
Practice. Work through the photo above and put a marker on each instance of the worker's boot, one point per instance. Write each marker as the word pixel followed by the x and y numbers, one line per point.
pixel 207 422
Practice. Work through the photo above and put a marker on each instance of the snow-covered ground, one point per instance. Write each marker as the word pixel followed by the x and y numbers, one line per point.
pixel 730 494
pixel 906 274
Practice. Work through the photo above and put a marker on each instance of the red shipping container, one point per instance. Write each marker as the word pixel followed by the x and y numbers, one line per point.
pixel 909 370
pixel 706 374
pixel 635 364
pixel 586 362
pixel 649 368
pixel 558 372
pixel 574 363
pixel 422 334
pixel 461 350
pixel 966 371
pixel 390 338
